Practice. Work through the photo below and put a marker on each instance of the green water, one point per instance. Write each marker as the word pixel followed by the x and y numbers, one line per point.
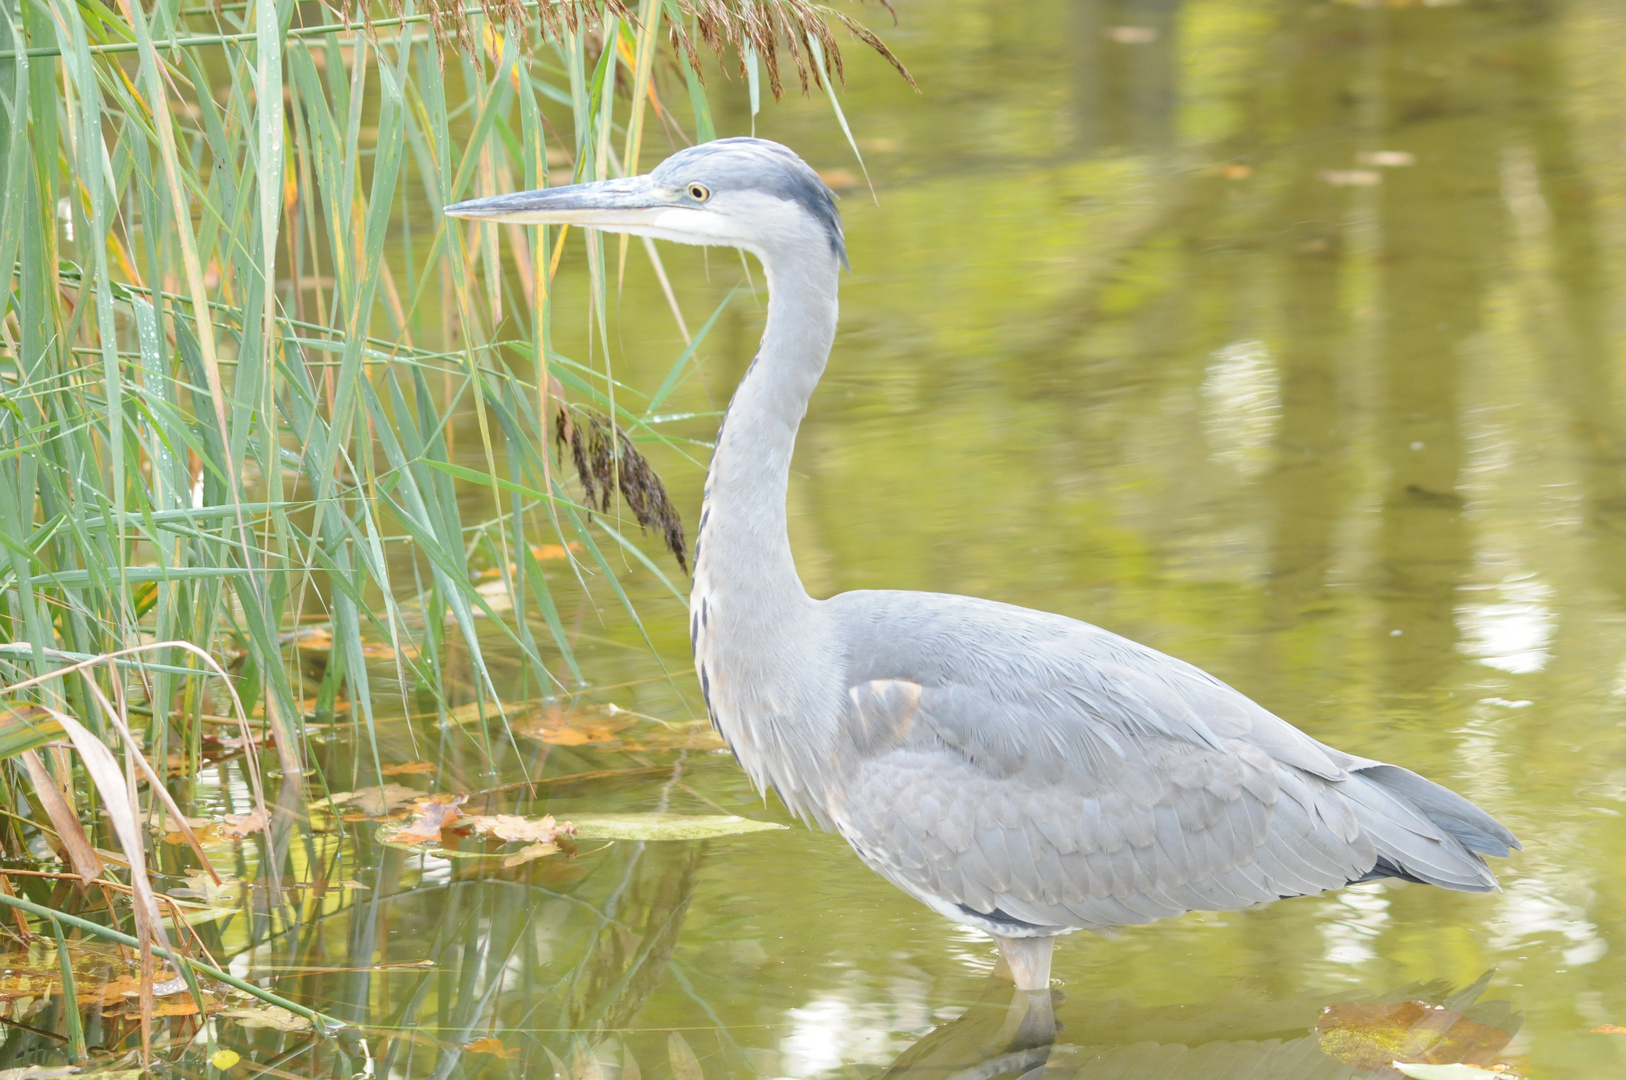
pixel 1284 337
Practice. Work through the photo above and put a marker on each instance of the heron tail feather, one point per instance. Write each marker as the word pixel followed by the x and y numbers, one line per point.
pixel 1424 832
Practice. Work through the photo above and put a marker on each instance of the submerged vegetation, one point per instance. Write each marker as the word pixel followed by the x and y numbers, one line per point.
pixel 235 334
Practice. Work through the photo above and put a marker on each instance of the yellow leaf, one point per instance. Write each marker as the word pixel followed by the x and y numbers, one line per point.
pixel 224 1059
pixel 492 1046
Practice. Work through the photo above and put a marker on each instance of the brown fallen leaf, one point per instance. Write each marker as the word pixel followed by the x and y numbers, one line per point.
pixel 568 737
pixel 377 801
pixel 492 1046
pixel 576 725
pixel 20 984
pixel 1370 1035
pixel 182 1005
pixel 115 991
pixel 512 827
pixel 274 1017
pixel 409 768
pixel 430 817
pixel 237 826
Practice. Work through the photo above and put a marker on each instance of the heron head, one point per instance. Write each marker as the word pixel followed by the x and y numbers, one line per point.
pixel 745 193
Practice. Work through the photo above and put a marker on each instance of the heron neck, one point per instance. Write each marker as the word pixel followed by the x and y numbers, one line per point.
pixel 743 544
pixel 760 645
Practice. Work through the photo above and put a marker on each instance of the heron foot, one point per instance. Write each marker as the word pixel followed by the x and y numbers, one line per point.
pixel 1026 961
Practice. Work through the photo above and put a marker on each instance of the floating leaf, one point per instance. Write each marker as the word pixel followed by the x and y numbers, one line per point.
pixel 512 827
pixel 576 725
pixel 492 1046
pixel 274 1017
pixel 184 1005
pixel 228 892
pixel 658 826
pixel 409 768
pixel 224 1059
pixel 237 826
pixel 377 801
pixel 1370 1035
pixel 430 816
pixel 16 984
pixel 1450 1071
pixel 114 991
pixel 1609 1029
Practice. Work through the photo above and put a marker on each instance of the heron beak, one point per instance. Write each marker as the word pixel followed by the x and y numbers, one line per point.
pixel 604 204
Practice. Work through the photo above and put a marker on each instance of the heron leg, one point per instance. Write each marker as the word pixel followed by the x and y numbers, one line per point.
pixel 1027 960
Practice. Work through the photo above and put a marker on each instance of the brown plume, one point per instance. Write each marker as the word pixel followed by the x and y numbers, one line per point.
pixel 606 460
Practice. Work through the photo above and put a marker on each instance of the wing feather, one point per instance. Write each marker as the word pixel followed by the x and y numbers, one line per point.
pixel 1004 764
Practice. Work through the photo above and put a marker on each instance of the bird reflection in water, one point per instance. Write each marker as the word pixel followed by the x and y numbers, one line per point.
pixel 1045 1036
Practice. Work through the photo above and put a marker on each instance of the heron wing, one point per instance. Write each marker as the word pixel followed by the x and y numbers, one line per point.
pixel 1019 766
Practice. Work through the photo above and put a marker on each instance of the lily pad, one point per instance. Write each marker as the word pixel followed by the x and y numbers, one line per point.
pixel 656 826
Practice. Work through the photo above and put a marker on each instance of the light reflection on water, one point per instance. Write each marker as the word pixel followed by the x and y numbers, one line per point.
pixel 1127 338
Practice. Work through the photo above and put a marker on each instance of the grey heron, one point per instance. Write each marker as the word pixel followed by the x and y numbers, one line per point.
pixel 1018 771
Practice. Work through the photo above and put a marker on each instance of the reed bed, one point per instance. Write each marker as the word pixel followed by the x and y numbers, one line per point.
pixel 235 332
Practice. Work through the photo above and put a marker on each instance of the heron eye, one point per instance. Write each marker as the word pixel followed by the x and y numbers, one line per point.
pixel 699 192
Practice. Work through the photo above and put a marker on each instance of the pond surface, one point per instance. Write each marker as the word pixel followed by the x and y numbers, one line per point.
pixel 1284 337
